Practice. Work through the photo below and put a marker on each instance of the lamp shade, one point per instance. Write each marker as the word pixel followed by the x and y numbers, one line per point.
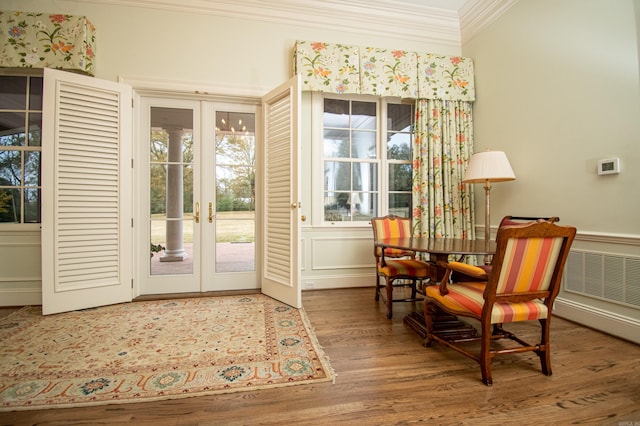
pixel 492 166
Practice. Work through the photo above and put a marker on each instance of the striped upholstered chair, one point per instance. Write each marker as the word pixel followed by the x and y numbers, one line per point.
pixel 523 282
pixel 396 264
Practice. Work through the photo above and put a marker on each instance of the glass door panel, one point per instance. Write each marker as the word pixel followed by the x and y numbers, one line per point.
pixel 235 192
pixel 171 214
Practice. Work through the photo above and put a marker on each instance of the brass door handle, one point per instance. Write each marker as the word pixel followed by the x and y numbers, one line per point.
pixel 197 212
pixel 210 212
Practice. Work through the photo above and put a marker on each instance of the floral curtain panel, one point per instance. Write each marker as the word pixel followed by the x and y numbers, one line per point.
pixel 41 40
pixel 442 204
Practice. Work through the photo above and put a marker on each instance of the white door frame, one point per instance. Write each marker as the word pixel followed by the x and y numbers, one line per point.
pixel 204 277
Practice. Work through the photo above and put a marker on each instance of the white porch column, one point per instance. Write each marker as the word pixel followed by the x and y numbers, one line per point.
pixel 175 236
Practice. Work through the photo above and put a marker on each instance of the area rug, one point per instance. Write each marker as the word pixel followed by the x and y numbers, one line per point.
pixel 143 351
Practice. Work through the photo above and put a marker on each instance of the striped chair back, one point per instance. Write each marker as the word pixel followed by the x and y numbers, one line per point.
pixel 529 259
pixel 391 226
pixel 528 264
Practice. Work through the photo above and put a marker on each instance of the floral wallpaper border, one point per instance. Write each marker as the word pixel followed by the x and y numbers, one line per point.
pixel 42 40
pixel 339 68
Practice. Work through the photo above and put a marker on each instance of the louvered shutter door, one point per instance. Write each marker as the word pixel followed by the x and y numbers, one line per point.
pixel 281 271
pixel 86 193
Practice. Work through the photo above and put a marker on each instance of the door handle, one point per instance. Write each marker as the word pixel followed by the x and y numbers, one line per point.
pixel 210 212
pixel 197 212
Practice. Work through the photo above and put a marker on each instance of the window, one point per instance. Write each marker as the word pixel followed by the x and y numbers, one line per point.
pixel 366 158
pixel 20 148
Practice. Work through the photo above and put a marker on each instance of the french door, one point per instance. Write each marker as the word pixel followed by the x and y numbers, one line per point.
pixel 186 189
pixel 196 196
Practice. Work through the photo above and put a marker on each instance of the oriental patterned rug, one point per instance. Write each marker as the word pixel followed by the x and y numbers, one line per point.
pixel 143 351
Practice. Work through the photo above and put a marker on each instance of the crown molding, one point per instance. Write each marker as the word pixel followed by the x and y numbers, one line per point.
pixel 475 15
pixel 423 24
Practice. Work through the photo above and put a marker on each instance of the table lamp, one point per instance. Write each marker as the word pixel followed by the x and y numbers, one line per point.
pixel 486 167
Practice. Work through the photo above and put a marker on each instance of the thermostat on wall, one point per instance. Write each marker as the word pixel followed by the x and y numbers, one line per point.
pixel 609 166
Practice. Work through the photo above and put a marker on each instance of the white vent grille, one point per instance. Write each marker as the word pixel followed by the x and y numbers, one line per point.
pixel 611 277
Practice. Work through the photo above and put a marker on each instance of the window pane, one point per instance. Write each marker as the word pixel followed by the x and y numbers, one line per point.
pixel 35 93
pixel 399 117
pixel 400 177
pixel 234 188
pixel 10 205
pixel 12 128
pixel 363 206
pixel 399 146
pixel 32 168
pixel 363 145
pixel 336 113
pixel 35 126
pixel 336 143
pixel 10 170
pixel 13 92
pixel 400 204
pixel 31 205
pixel 336 207
pixel 158 189
pixel 187 189
pixel 363 115
pixel 337 176
pixel 365 177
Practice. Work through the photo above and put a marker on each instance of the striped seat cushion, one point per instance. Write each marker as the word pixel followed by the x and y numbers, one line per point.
pixel 468 298
pixel 411 268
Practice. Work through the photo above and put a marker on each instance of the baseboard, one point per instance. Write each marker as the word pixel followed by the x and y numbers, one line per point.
pixel 326 282
pixel 20 297
pixel 598 319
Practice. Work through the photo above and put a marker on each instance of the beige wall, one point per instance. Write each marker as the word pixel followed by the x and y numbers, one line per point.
pixel 558 89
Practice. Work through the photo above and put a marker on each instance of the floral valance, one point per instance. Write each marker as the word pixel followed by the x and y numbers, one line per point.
pixel 42 40
pixel 338 68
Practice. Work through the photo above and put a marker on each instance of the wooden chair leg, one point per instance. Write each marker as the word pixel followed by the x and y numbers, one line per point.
pixel 389 298
pixel 485 355
pixel 429 312
pixel 545 355
pixel 377 287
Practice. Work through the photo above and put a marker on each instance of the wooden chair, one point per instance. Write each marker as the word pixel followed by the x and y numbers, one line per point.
pixel 522 285
pixel 396 264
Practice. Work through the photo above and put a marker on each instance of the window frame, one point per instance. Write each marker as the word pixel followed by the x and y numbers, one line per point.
pixel 29 73
pixel 382 162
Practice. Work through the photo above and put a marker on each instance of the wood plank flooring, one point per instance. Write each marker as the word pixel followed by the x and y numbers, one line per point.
pixel 386 377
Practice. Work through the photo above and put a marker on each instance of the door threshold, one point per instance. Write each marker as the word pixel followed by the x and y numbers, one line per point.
pixel 149 297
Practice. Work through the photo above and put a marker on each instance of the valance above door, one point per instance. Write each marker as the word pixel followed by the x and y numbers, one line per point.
pixel 42 40
pixel 339 68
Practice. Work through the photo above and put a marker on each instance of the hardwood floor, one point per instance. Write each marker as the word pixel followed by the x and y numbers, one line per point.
pixel 385 377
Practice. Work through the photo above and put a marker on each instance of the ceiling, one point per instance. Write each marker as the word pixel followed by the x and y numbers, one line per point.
pixel 447 22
